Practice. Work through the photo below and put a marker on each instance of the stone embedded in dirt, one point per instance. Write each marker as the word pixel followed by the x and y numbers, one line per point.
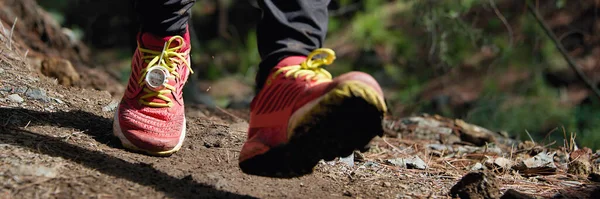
pixel 440 147
pixel 370 164
pixel 358 156
pixel 61 69
pixel 111 106
pixel 15 98
pixel 397 162
pixel 415 163
pixel 476 185
pixel 513 194
pixel 348 160
pixel 579 162
pixel 386 184
pixel 58 100
pixel 474 134
pixel 477 167
pixel 541 164
pixel 35 170
pixel 37 94
pixel 410 163
pixel 499 164
pixel 1 70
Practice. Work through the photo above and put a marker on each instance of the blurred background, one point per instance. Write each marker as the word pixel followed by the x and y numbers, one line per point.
pixel 488 62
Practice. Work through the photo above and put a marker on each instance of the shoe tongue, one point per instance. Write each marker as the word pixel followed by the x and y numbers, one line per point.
pixel 154 42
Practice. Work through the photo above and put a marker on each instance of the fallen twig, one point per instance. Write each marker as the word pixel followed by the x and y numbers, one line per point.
pixel 11 34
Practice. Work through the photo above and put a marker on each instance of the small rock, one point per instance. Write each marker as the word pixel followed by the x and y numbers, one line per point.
pixel 561 159
pixel 358 156
pixel 502 163
pixel 15 98
pixel 541 164
pixel 5 89
pixel 111 106
pixel 58 101
pixel 474 134
pixel 348 160
pixel 35 170
pixel 477 167
pixel 415 163
pixel 476 185
pixel 397 162
pixel 439 147
pixel 1 70
pixel 386 184
pixel 348 193
pixel 410 163
pixel 37 94
pixel 513 194
pixel 467 149
pixel 370 164
pixel 19 90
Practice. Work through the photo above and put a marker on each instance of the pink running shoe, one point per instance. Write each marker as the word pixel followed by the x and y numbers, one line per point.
pixel 150 117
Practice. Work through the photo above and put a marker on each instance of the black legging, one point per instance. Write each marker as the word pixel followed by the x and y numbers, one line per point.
pixel 286 28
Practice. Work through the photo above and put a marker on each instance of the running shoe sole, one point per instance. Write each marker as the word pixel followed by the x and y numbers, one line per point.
pixel 345 119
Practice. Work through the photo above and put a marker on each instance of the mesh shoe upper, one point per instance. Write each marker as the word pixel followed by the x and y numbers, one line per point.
pixel 151 114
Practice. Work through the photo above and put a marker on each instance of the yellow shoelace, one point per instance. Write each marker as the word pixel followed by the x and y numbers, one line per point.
pixel 310 69
pixel 168 58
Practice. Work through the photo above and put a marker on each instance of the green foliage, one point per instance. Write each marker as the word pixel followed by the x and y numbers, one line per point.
pixel 588 125
pixel 537 108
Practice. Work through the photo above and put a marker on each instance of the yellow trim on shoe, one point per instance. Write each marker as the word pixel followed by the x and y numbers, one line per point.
pixel 336 95
pixel 310 69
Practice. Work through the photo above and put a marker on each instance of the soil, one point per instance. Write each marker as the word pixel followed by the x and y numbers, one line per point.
pixel 68 151
pixel 56 142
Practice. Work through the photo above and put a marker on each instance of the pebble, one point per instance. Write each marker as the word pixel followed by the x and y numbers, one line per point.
pixel 415 163
pixel 1 70
pixel 348 160
pixel 410 163
pixel 111 106
pixel 58 101
pixel 477 167
pixel 37 94
pixel 15 98
pixel 439 147
pixel 35 170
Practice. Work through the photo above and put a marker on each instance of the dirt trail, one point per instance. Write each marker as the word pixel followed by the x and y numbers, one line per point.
pixel 56 142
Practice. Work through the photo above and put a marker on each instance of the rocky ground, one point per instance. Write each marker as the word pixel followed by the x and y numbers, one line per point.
pixel 56 142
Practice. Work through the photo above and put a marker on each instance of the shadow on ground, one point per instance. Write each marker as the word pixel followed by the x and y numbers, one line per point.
pixel 99 128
